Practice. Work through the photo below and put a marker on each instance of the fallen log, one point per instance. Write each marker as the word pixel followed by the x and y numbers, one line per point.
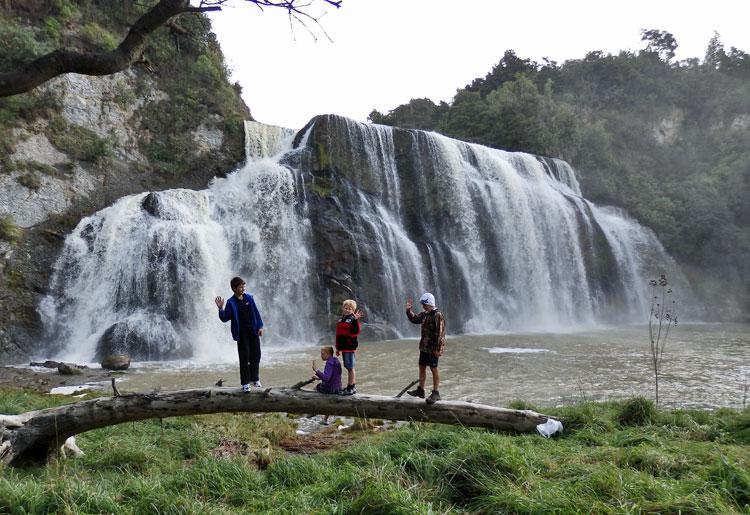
pixel 33 436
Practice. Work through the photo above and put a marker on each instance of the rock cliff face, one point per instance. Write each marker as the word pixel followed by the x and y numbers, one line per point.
pixel 78 143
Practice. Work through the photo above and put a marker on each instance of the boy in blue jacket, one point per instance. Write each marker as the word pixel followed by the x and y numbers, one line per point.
pixel 247 328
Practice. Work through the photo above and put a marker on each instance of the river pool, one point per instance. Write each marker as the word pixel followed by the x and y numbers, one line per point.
pixel 704 366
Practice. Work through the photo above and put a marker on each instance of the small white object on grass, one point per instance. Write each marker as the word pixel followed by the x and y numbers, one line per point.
pixel 70 444
pixel 550 428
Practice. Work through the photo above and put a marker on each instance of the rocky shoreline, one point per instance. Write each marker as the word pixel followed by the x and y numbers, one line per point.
pixel 43 380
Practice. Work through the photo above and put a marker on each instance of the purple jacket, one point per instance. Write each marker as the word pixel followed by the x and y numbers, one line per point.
pixel 330 378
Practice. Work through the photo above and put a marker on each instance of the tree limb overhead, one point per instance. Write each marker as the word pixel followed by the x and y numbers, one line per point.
pixel 32 74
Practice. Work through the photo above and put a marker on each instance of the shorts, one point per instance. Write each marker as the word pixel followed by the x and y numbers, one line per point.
pixel 349 359
pixel 427 359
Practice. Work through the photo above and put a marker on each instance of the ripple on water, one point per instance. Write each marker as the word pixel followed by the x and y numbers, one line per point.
pixel 514 350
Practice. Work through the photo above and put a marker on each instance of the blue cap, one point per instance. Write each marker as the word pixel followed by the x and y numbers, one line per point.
pixel 427 298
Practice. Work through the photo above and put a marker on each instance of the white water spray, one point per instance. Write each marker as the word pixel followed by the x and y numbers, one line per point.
pixel 143 273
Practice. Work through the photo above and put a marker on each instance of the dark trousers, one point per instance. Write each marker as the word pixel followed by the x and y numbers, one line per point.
pixel 248 349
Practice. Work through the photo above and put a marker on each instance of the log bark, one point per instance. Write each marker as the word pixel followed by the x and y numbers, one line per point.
pixel 32 436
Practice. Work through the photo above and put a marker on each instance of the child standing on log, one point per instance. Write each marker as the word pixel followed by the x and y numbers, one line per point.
pixel 431 344
pixel 330 376
pixel 247 328
pixel 347 331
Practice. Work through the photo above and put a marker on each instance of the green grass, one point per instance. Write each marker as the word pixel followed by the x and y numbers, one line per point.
pixel 679 461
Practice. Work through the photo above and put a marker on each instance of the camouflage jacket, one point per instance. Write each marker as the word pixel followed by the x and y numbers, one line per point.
pixel 433 330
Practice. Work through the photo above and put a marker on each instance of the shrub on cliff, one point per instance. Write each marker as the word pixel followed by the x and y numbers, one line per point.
pixel 9 231
pixel 19 44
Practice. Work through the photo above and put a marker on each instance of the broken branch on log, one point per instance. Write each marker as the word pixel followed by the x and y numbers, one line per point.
pixel 114 388
pixel 402 392
pixel 299 385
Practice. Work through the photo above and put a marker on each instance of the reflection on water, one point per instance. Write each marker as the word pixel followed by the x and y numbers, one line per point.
pixel 704 366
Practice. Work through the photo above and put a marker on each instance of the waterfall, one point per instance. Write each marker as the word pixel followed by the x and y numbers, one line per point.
pixel 504 240
pixel 140 276
pixel 263 140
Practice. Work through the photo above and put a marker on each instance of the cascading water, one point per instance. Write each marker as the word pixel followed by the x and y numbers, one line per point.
pixel 504 240
pixel 140 276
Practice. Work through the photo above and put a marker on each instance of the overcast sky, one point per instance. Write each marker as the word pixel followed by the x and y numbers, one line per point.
pixel 386 52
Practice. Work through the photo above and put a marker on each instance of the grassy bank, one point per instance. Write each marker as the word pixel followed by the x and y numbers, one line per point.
pixel 614 458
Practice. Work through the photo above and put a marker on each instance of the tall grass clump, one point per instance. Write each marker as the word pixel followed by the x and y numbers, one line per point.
pixel 732 480
pixel 637 411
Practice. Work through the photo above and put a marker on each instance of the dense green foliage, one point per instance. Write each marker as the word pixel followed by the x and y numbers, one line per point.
pixel 681 461
pixel 186 65
pixel 191 71
pixel 668 141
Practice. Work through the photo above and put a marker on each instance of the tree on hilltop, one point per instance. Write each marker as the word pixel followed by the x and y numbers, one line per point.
pixel 164 13
pixel 660 42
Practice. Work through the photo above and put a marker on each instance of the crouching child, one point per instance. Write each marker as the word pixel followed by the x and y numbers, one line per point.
pixel 330 376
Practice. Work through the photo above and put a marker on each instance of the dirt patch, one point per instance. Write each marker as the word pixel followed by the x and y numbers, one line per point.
pixel 316 442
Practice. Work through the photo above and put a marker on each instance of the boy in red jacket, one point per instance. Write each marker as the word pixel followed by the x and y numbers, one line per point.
pixel 347 331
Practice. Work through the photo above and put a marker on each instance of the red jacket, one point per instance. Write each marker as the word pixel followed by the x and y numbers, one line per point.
pixel 347 331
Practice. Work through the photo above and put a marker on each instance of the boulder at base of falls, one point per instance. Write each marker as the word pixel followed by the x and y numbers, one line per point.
pixel 376 332
pixel 116 362
pixel 150 339
pixel 69 369
pixel 45 364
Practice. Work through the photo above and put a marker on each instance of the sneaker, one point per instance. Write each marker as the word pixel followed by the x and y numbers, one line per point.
pixel 352 389
pixel 257 384
pixel 434 397
pixel 348 391
pixel 245 387
pixel 417 392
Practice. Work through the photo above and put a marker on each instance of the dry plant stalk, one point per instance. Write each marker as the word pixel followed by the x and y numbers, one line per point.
pixel 663 315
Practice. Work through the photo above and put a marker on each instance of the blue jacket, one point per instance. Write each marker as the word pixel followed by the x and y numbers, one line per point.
pixel 230 313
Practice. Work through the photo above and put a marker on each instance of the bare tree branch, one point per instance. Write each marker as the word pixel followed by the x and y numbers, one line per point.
pixel 32 74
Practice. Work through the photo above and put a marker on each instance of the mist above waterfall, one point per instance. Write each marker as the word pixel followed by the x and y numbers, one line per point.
pixel 504 240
